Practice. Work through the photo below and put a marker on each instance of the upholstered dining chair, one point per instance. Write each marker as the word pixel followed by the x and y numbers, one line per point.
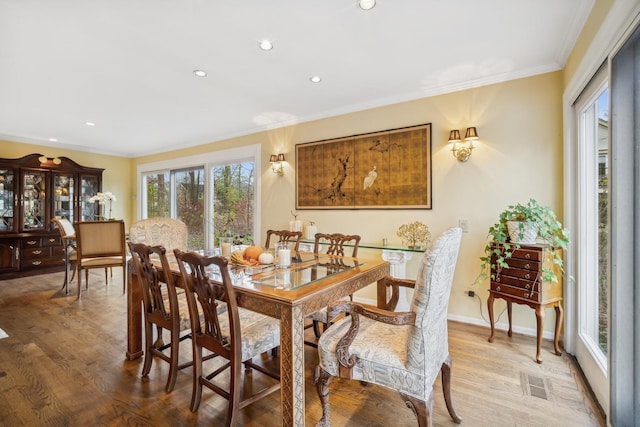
pixel 162 310
pixel 402 351
pixel 100 244
pixel 68 238
pixel 237 335
pixel 284 236
pixel 170 233
pixel 336 244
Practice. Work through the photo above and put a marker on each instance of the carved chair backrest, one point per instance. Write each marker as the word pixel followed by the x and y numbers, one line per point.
pixel 428 344
pixel 203 297
pixel 337 243
pixel 152 281
pixel 284 236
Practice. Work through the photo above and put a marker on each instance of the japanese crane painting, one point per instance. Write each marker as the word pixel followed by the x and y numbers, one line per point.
pixel 381 170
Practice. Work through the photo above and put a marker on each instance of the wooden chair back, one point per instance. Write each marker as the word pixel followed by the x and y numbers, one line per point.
pixel 284 236
pixel 336 243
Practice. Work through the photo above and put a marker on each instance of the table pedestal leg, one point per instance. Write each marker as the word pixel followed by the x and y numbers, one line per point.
pixel 134 318
pixel 292 366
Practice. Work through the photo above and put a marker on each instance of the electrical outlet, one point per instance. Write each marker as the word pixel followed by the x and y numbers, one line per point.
pixel 471 293
pixel 464 224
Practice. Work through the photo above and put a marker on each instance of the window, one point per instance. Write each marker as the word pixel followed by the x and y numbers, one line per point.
pixel 213 194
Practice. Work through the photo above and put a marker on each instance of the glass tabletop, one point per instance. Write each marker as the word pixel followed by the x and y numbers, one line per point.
pixel 304 270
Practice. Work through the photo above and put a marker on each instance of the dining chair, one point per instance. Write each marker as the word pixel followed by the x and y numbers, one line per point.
pixel 100 244
pixel 169 233
pixel 237 335
pixel 284 236
pixel 336 244
pixel 162 310
pixel 402 351
pixel 68 238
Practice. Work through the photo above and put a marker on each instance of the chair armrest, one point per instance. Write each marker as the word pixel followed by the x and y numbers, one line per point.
pixel 354 310
pixel 395 285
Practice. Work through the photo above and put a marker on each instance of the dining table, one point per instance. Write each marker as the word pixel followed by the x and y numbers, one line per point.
pixel 290 293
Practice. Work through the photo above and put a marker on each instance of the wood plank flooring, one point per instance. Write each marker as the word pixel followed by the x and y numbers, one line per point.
pixel 64 364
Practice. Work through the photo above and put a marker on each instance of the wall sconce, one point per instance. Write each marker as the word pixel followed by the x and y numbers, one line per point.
pixel 460 151
pixel 276 164
pixel 44 160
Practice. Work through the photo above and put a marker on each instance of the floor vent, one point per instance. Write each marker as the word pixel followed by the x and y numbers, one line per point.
pixel 535 386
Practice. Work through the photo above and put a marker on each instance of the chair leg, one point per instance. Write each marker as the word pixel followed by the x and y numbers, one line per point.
pixel 148 354
pixel 316 328
pixel 79 284
pixel 196 394
pixel 445 370
pixel 173 363
pixel 234 395
pixel 422 409
pixel 322 381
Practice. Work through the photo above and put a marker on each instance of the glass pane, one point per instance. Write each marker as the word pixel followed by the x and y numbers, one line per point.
pixel 603 220
pixel 158 195
pixel 6 199
pixel 233 202
pixel 189 202
pixel 89 211
pixel 33 200
pixel 64 196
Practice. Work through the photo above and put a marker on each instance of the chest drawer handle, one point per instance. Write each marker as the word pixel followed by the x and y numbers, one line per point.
pixel 31 242
pixel 37 252
pixel 497 279
pixel 527 266
pixel 527 276
pixel 36 262
pixel 52 240
pixel 526 294
pixel 527 286
pixel 498 288
pixel 527 256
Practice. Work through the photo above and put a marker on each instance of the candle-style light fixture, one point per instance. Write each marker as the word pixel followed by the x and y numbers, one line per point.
pixel 276 163
pixel 462 150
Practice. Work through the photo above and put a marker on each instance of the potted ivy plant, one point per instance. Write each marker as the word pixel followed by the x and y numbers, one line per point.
pixel 516 225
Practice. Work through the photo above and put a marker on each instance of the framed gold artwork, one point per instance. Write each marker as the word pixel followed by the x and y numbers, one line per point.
pixel 390 169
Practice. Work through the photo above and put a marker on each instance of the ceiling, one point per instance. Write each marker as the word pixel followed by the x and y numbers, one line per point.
pixel 127 65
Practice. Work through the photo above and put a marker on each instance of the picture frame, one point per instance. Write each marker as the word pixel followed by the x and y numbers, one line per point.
pixel 389 169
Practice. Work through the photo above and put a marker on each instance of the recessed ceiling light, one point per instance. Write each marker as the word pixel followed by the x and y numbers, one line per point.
pixel 366 4
pixel 265 45
pixel 315 79
pixel 53 139
pixel 89 123
pixel 200 73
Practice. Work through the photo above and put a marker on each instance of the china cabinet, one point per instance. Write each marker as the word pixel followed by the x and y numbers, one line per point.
pixel 33 190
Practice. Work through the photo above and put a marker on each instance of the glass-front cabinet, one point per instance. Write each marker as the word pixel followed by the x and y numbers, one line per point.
pixel 33 190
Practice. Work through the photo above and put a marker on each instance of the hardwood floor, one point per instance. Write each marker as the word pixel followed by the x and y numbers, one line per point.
pixel 64 364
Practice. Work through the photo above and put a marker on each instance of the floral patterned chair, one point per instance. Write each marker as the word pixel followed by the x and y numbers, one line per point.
pixel 400 350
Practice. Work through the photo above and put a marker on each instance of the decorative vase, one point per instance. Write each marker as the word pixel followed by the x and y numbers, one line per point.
pixel 522 232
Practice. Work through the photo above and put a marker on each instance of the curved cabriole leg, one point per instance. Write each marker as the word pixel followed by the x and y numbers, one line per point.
pixel 148 354
pixel 173 363
pixel 322 380
pixel 446 389
pixel 196 394
pixel 420 408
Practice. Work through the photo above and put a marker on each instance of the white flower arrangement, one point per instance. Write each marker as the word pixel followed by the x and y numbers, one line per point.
pixel 103 198
pixel 415 235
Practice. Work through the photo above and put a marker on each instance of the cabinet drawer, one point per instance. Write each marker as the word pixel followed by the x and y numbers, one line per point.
pixel 532 275
pixel 51 241
pixel 36 253
pixel 515 291
pixel 527 285
pixel 38 263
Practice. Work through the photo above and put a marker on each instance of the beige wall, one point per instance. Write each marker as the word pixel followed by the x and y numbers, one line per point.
pixel 519 156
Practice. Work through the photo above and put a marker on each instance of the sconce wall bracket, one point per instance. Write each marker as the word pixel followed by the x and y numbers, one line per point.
pixel 460 151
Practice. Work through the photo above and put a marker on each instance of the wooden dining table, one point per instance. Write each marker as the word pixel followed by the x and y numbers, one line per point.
pixel 288 294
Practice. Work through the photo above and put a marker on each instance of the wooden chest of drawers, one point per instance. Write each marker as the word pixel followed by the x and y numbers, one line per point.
pixel 522 283
pixel 41 251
